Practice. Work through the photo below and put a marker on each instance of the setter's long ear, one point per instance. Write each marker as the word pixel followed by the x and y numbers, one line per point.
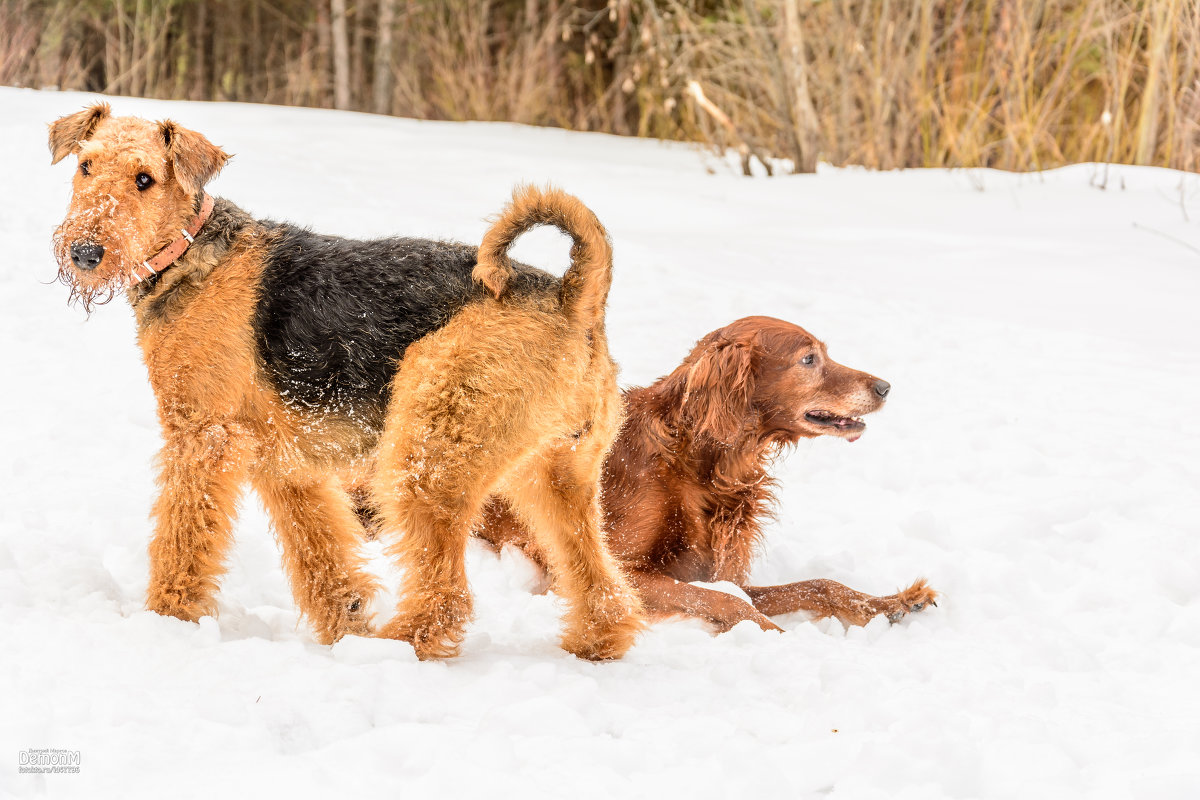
pixel 194 159
pixel 720 389
pixel 68 133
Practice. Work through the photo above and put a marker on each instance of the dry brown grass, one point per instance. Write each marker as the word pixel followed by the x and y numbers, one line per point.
pixel 1013 84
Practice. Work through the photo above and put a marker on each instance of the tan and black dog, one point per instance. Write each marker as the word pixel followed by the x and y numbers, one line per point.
pixel 289 360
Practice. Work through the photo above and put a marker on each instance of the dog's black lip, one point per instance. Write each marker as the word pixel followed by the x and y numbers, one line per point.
pixel 828 420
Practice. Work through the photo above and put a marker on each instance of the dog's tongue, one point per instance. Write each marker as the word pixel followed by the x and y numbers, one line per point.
pixel 853 438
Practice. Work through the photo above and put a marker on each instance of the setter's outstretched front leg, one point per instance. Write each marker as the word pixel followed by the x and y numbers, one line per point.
pixel 663 596
pixel 826 598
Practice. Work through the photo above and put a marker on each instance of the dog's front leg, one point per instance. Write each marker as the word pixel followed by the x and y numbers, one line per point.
pixel 825 598
pixel 663 595
pixel 320 534
pixel 201 470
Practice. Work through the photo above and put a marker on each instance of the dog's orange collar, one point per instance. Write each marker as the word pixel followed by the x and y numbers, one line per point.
pixel 169 254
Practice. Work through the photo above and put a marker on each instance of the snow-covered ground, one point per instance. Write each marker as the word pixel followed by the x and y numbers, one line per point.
pixel 1038 461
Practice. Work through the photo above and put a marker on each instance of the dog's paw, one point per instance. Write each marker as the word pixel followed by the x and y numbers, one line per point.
pixel 606 627
pixel 434 624
pixel 435 646
pixel 607 646
pixel 187 604
pixel 430 643
pixel 915 598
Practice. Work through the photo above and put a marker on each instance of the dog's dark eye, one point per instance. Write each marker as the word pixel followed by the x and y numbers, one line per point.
pixel 85 168
pixel 808 360
pixel 143 181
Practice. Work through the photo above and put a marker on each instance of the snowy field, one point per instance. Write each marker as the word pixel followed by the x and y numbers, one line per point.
pixel 1038 461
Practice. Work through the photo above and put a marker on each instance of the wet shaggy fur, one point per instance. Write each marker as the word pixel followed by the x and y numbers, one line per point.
pixel 330 337
pixel 687 484
pixel 427 375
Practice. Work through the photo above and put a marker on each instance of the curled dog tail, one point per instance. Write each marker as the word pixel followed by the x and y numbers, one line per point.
pixel 586 282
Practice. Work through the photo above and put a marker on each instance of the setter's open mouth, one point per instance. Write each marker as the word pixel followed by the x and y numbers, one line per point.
pixel 826 419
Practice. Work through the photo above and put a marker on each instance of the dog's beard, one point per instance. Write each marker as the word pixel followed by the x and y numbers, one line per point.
pixel 95 221
pixel 93 291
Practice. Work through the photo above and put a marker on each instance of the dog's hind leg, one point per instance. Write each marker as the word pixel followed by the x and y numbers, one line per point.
pixel 435 603
pixel 449 436
pixel 320 535
pixel 428 490
pixel 556 495
pixel 201 471
pixel 473 407
pixel 825 598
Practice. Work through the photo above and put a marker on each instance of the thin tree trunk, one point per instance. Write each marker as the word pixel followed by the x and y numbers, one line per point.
pixel 119 81
pixel 200 90
pixel 412 73
pixel 383 58
pixel 135 58
pixel 804 116
pixel 357 20
pixel 1147 127
pixel 256 56
pixel 324 51
pixel 306 89
pixel 341 56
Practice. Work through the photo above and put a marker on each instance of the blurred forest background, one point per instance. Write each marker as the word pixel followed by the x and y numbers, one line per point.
pixel 1013 84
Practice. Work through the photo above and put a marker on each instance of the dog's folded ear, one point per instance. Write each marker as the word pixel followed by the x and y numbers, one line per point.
pixel 70 132
pixel 194 159
pixel 720 389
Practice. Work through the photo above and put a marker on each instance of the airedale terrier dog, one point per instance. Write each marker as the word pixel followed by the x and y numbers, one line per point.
pixel 290 360
pixel 687 485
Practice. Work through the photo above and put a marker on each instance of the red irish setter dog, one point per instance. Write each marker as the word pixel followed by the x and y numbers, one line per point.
pixel 686 486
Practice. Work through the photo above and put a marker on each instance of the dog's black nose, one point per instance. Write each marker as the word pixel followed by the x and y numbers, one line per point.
pixel 882 388
pixel 86 256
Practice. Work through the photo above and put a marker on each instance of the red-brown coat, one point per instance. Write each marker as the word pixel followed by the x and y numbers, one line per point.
pixel 687 484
